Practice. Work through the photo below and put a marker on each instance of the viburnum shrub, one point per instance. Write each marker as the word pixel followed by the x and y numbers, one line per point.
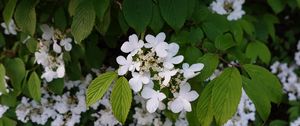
pixel 150 62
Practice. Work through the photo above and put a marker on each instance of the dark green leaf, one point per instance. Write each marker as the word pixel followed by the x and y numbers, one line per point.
pixel 2 80
pixel 174 12
pixel 15 70
pixel 276 5
pixel 258 50
pixel 83 21
pixel 224 42
pixel 9 11
pixel 57 86
pixel 25 16
pixel 138 13
pixel 157 22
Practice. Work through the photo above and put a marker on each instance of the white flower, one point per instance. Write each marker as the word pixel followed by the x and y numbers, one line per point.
pixel 155 97
pixel 183 99
pixel 137 81
pixel 3 109
pixel 167 74
pixel 48 32
pixel 42 58
pixel 158 44
pixel 170 59
pixel 191 71
pixel 60 71
pixel 49 75
pixel 133 45
pixel 11 29
pixel 66 43
pixel 231 7
pixel 127 64
pixel 56 47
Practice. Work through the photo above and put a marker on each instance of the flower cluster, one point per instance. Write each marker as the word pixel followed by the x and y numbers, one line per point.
pixel 244 114
pixel 153 67
pixel 50 53
pixel 10 28
pixel 232 8
pixel 65 109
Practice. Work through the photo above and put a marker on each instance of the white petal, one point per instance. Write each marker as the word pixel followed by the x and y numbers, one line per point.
pixel 187 105
pixel 133 38
pixel 185 88
pixel 161 96
pixel 150 39
pixel 60 71
pixel 122 70
pixel 197 67
pixel 173 49
pixel 151 105
pixel 161 49
pixel 136 85
pixel 68 47
pixel 161 37
pixel 176 106
pixel 185 66
pixel 56 48
pixel 177 59
pixel 121 60
pixel 126 47
pixel 147 93
pixel 190 96
pixel 168 65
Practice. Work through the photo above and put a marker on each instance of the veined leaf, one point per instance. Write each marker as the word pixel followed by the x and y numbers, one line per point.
pixel 25 16
pixel 260 50
pixel 83 21
pixel 204 106
pixel 15 69
pixel 34 86
pixel 211 62
pixel 2 80
pixel 9 11
pixel 99 86
pixel 121 98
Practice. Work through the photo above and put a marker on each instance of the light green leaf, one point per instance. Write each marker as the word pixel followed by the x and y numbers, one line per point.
pixel 258 50
pixel 5 121
pixel 121 98
pixel 83 21
pixel 99 86
pixel 157 21
pixel 31 44
pixel 25 16
pixel 276 5
pixel 34 86
pixel 15 70
pixel 204 106
pixel 138 13
pixel 224 42
pixel 2 80
pixel 9 11
pixel 226 94
pixel 267 81
pixel 257 95
pixel 174 12
pixel 211 62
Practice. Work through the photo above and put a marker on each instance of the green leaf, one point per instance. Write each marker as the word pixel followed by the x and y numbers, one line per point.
pixel 226 94
pixel 157 21
pixel 15 70
pixel 121 99
pixel 224 42
pixel 34 86
pixel 73 4
pixel 123 24
pixel 204 106
pixel 9 11
pixel 276 5
pixel 103 25
pixel 137 13
pixel 191 54
pixel 101 7
pixel 260 50
pixel 57 86
pixel 60 19
pixel 32 44
pixel 2 80
pixel 267 81
pixel 211 62
pixel 2 40
pixel 257 95
pixel 25 16
pixel 83 21
pixel 174 12
pixel 99 86
pixel 247 26
pixel 278 123
pixel 5 121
